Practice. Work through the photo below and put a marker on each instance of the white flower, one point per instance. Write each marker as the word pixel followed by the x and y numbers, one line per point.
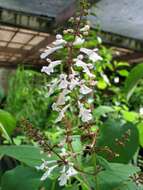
pixel 65 175
pixel 116 80
pixel 86 28
pixel 78 41
pixel 55 107
pixel 49 51
pixel 50 68
pixel 63 179
pixel 93 82
pixel 85 90
pixel 99 40
pixel 105 78
pixel 59 40
pixel 63 152
pixel 48 172
pixel 141 111
pixel 80 63
pixel 45 164
pixel 84 113
pixel 62 97
pixel 63 81
pixel 61 114
pixel 93 56
pixel 74 80
pixel 71 171
pixel 52 86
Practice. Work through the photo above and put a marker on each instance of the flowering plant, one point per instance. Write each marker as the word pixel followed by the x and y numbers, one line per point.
pixel 72 84
pixel 92 146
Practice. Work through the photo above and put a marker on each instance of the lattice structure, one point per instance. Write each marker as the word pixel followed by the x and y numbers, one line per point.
pixel 21 45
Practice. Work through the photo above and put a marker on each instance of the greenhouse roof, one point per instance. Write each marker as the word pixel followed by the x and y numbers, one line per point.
pixel 123 18
pixel 27 26
pixel 50 8
pixel 39 15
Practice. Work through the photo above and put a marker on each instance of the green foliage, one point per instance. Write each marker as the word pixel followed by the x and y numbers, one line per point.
pixel 8 121
pixel 133 79
pixel 21 178
pixel 102 110
pixel 121 138
pixel 27 97
pixel 7 124
pixel 28 155
pixel 116 176
pixel 140 128
pixel 2 94
pixel 99 151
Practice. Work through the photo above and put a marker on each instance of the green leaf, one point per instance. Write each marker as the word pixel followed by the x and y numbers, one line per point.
pixel 101 110
pixel 140 128
pixel 114 177
pixel 132 80
pixel 4 133
pixel 21 178
pixel 123 73
pixel 101 84
pixel 128 185
pixel 7 121
pixel 121 138
pixel 29 155
pixel 130 116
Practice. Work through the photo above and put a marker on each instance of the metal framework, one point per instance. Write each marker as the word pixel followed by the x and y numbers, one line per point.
pixel 21 45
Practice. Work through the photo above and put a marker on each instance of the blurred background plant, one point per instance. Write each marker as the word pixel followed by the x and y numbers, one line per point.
pixel 27 97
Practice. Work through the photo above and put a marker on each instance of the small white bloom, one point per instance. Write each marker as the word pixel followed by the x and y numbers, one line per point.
pixel 79 57
pixel 62 97
pixel 63 153
pixel 49 51
pixel 48 172
pixel 45 164
pixel 78 41
pixel 55 107
pixel 105 78
pixel 52 86
pixel 84 113
pixel 86 28
pixel 85 90
pixel 63 81
pixel 74 80
pixel 65 175
pixel 99 40
pixel 116 80
pixel 62 114
pixel 71 171
pixel 93 56
pixel 141 111
pixel 59 40
pixel 93 82
pixel 63 179
pixel 50 68
pixel 80 63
